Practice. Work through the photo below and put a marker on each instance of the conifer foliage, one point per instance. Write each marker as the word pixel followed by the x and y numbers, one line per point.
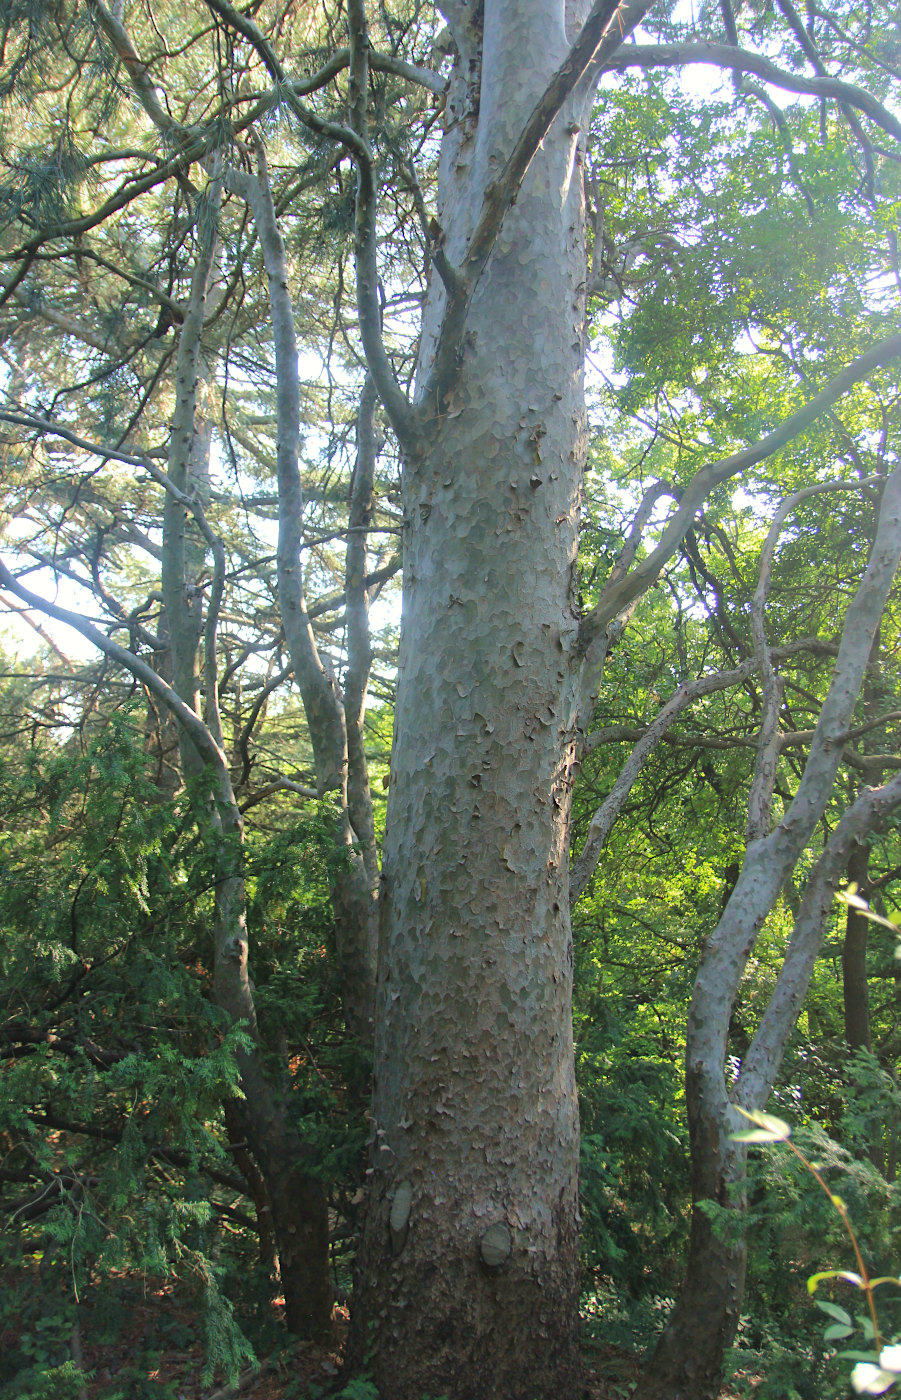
pixel 602 360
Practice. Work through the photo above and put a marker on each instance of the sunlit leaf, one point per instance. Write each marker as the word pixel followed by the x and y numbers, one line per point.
pixel 767 1128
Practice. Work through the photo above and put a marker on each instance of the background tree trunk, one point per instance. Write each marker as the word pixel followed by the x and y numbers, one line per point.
pixel 855 988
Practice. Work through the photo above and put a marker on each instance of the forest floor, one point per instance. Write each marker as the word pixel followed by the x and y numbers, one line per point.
pixel 157 1351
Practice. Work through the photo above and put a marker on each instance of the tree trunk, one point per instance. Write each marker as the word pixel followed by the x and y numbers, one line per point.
pixel 299 1208
pixel 855 988
pixel 468 1274
pixel 297 1199
pixel 689 1357
pixel 687 1363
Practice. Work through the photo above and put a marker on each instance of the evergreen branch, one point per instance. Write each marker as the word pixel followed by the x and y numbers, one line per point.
pixel 138 71
pixel 142 672
pixel 369 312
pixel 67 324
pixel 334 131
pixel 174 308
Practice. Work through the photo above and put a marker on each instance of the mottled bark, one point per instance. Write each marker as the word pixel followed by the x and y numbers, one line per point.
pixel 468 1275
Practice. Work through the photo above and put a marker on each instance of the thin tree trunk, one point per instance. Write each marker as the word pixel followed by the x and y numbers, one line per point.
pixel 338 757
pixel 855 987
pixel 299 1208
pixel 688 1362
pixel 296 1196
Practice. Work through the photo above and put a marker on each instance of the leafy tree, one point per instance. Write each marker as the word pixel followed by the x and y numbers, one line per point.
pixel 467 254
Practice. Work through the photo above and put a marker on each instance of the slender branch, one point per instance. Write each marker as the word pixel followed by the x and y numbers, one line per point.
pixel 359 645
pixel 397 405
pixel 617 597
pixel 604 31
pixel 762 1061
pixel 185 716
pixel 760 803
pixel 637 528
pixel 335 131
pixel 69 325
pixel 321 703
pixel 602 822
pixel 137 71
pixel 768 862
pixel 188 451
pixel 742 61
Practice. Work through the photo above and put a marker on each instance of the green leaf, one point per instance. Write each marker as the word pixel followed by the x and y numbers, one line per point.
pixel 850 897
pixel 833 1310
pixel 837 1332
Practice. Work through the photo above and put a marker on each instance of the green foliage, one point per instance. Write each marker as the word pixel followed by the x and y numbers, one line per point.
pixel 116 1062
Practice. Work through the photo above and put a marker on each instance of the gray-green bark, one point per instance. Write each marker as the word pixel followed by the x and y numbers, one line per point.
pixel 336 736
pixel 687 1363
pixel 468 1275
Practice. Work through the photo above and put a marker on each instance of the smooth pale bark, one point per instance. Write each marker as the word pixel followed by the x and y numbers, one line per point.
pixel 335 722
pixel 297 1202
pixel 687 1363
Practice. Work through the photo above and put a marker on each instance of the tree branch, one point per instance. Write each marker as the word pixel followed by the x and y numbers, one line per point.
pixel 334 131
pixel 209 750
pixel 762 1061
pixel 742 61
pixel 397 405
pixel 616 598
pixel 323 709
pixel 760 803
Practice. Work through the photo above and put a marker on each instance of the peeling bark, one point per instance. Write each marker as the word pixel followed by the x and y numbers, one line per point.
pixel 475 1292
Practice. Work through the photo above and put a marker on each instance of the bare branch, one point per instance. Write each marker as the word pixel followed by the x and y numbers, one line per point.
pixel 742 61
pixel 760 803
pixel 761 1063
pixel 321 703
pixel 616 598
pixel 185 716
pixel 603 820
